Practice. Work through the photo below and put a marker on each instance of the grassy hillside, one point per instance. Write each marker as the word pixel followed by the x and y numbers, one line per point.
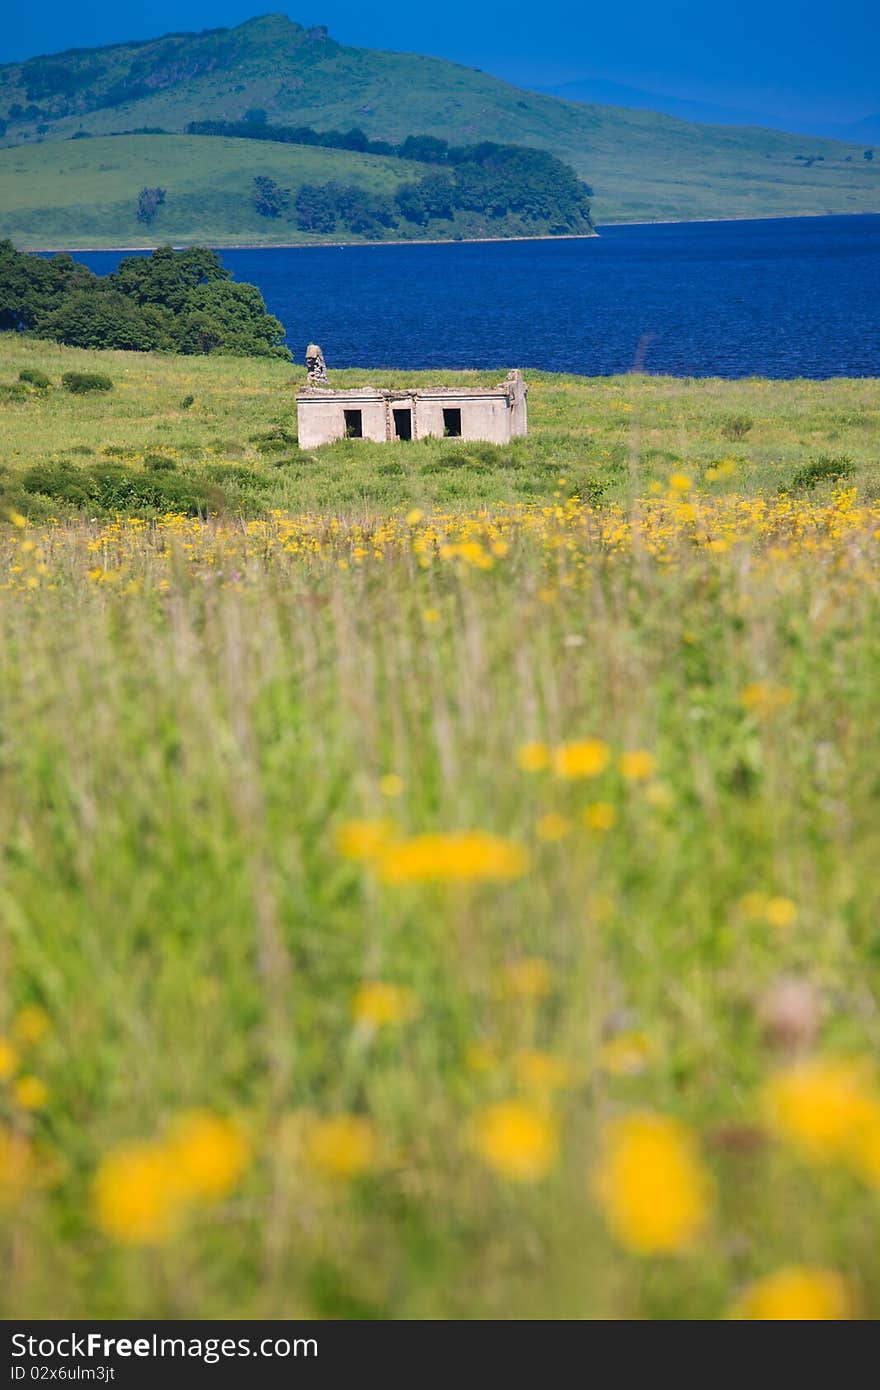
pixel 458 899
pixel 84 193
pixel 609 438
pixel 641 164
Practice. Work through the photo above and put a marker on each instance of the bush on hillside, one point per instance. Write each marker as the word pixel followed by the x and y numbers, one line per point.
pixel 80 383
pixel 32 376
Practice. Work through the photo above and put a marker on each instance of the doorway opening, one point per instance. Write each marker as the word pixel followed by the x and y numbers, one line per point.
pixel 403 424
pixel 452 423
pixel 354 424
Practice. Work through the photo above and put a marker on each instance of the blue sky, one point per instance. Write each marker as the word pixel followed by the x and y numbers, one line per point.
pixel 793 58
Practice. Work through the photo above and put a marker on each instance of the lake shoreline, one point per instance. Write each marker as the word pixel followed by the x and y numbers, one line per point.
pixel 451 241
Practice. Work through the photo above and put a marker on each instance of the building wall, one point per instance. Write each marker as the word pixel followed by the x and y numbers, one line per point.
pixel 495 415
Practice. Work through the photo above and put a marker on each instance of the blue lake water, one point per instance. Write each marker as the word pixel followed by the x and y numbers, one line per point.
pixel 782 298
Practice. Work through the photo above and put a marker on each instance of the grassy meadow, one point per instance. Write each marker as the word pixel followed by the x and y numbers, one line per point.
pixel 437 881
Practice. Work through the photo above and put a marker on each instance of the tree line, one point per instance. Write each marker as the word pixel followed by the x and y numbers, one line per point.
pixel 489 180
pixel 171 301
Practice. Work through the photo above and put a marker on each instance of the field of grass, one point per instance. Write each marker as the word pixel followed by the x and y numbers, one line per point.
pixel 641 164
pixel 443 883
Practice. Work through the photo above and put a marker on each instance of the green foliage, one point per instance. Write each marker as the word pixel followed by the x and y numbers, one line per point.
pixel 270 200
pixel 824 469
pixel 34 377
pixel 148 204
pixel 114 487
pixel 735 427
pixel 79 383
pixel 173 301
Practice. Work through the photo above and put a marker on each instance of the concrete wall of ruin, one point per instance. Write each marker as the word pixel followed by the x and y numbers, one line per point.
pixel 495 416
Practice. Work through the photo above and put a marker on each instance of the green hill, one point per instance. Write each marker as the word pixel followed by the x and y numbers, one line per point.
pixel 642 165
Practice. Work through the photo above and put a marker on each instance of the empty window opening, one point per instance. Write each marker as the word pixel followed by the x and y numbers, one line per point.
pixel 354 424
pixel 403 424
pixel 452 423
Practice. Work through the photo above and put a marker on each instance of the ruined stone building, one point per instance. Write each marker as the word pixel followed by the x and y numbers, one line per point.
pixel 493 413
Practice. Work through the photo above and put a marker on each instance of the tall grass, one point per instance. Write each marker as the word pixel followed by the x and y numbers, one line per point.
pixel 590 795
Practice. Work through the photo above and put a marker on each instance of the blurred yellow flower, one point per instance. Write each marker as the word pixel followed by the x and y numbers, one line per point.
pixel 626 1053
pixel 652 1184
pixel 637 765
pixel 796 1293
pixel 391 784
pixel 138 1198
pixel 364 839
pixel 30 1093
pixel 16 1167
pixel 431 615
pixel 552 826
pixel 8 1060
pixel 518 1140
pixel 415 516
pixel 679 482
pixel 17 519
pixel 826 1108
pixel 543 1072
pixel 600 815
pixel 588 757
pixel 30 1025
pixel 659 795
pixel 456 856
pixel 376 1003
pixel 530 977
pixel 342 1146
pixel 532 757
pixel 780 912
pixel 210 1153
pixel 760 697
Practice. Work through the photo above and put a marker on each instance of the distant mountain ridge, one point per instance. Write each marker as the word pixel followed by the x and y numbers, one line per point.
pixel 643 165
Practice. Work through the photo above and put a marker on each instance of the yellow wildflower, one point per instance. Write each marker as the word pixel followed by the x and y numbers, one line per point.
pixel 652 1184
pixel 780 912
pixel 637 765
pixel 456 856
pixel 763 698
pixel 431 615
pixel 210 1153
pixel 540 1071
pixel 519 1141
pixel 626 1053
pixel 680 483
pixel 532 757
pixel 552 826
pixel 364 839
pixel 8 1060
pixel 376 1003
pixel 391 784
pixel 588 757
pixel 530 977
pixel 415 516
pixel 826 1108
pixel 600 815
pixel 138 1198
pixel 30 1093
pixel 16 1167
pixel 30 1025
pixel 796 1293
pixel 342 1146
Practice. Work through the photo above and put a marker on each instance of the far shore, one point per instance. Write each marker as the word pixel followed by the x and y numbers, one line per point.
pixel 461 241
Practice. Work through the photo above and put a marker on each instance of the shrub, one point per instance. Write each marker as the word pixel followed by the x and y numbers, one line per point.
pixel 78 383
pixel 736 426
pixel 823 470
pixel 13 391
pixel 187 402
pixel 32 376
